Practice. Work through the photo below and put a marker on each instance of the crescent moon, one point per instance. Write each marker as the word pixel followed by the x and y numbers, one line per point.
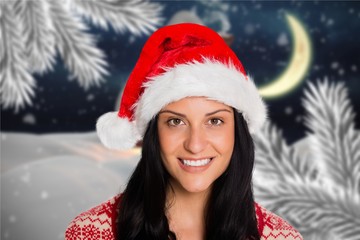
pixel 298 66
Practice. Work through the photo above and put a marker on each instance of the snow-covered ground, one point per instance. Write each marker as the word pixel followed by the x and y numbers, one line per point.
pixel 46 180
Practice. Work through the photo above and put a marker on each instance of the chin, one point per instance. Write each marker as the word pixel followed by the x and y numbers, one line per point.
pixel 191 188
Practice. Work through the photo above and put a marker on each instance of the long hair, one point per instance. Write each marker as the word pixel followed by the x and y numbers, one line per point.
pixel 230 207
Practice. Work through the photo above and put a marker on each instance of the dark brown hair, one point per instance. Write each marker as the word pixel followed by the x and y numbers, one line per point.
pixel 231 210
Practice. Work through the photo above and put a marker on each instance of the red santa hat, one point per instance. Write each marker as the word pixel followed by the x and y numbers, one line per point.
pixel 180 61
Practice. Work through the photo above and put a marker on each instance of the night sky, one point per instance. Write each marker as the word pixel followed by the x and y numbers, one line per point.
pixel 263 42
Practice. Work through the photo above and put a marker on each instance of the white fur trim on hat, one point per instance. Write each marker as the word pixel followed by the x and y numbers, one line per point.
pixel 211 79
pixel 115 132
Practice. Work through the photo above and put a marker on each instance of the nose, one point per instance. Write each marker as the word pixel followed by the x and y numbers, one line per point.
pixel 196 140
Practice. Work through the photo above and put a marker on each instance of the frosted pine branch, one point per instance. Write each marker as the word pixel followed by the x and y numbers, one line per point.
pixel 312 207
pixel 135 16
pixel 274 159
pixel 77 47
pixel 330 117
pixel 327 197
pixel 36 29
pixel 318 234
pixel 16 83
pixel 38 33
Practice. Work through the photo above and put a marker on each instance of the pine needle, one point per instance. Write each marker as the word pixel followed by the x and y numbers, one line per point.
pixel 38 33
pixel 77 47
pixel 16 83
pixel 136 16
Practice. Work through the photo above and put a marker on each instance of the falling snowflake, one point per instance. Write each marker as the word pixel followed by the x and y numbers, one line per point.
pixel 3 136
pixel 330 22
pixel 40 150
pixel 283 40
pixel 26 177
pixel 249 28
pixel 334 65
pixel 12 219
pixel 44 195
pixel 323 18
pixel 6 235
pixel 258 6
pixel 29 119
pixel 90 97
pixel 341 72
pixel 288 110
pixel 82 111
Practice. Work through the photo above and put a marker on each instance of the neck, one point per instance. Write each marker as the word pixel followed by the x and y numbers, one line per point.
pixel 186 211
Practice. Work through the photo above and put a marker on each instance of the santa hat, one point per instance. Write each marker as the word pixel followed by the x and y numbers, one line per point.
pixel 180 61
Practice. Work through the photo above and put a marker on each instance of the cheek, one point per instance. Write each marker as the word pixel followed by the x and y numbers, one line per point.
pixel 170 138
pixel 224 141
pixel 169 146
pixel 168 142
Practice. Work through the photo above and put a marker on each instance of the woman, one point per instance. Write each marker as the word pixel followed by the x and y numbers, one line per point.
pixel 191 103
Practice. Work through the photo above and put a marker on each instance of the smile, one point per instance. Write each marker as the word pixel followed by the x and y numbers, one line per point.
pixel 196 163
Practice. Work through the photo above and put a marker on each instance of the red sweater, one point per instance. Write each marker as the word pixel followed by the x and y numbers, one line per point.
pixel 98 223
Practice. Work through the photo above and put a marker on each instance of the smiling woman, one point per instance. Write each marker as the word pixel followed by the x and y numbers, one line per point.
pixel 196 138
pixel 193 106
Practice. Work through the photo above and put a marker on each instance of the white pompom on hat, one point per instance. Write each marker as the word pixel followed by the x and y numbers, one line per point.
pixel 180 61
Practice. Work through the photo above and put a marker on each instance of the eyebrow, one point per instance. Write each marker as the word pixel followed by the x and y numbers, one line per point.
pixel 220 110
pixel 183 115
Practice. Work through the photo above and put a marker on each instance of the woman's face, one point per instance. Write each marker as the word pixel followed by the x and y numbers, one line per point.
pixel 196 142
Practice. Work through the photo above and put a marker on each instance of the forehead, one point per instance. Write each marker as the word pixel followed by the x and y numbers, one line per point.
pixel 195 103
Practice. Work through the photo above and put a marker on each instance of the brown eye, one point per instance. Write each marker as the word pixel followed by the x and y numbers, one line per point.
pixel 215 121
pixel 175 122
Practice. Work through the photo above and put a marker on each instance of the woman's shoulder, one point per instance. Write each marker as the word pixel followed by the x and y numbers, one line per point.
pixel 271 226
pixel 95 223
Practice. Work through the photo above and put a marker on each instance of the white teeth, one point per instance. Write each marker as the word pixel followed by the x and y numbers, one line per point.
pixel 197 163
